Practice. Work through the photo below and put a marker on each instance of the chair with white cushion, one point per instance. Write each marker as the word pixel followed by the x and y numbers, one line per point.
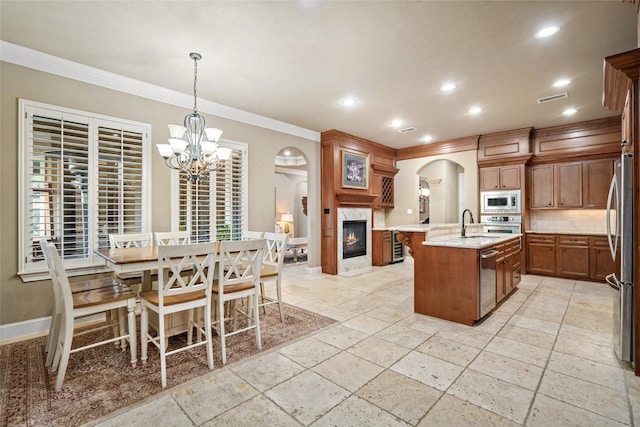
pixel 71 306
pixel 272 269
pixel 238 277
pixel 172 238
pixel 177 294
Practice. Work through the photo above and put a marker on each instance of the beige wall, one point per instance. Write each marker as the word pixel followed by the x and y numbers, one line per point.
pixel 407 180
pixel 23 301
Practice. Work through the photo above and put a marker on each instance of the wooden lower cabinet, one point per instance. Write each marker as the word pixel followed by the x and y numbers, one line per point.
pixel 573 256
pixel 569 256
pixel 382 247
pixel 541 254
pixel 601 262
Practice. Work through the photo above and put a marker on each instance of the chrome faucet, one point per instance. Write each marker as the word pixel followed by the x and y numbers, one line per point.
pixel 463 231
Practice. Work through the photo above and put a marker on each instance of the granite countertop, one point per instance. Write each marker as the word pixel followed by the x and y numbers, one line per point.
pixel 472 241
pixel 570 232
pixel 423 227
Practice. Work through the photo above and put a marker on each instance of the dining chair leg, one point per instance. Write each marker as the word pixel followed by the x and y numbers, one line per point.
pixel 279 291
pixel 221 332
pixel 208 335
pixel 144 333
pixel 121 327
pixel 190 327
pixel 256 323
pixel 52 340
pixel 65 352
pixel 163 349
pixel 133 343
pixel 264 308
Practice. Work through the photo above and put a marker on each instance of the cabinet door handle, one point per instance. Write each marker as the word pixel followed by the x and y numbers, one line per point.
pixel 549 204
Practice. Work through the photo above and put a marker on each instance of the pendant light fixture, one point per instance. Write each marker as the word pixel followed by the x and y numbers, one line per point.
pixel 193 148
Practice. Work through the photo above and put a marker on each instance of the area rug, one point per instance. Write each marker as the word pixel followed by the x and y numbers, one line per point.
pixel 101 380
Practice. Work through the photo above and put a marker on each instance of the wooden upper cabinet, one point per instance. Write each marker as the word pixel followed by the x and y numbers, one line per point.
pixel 500 178
pixel 542 185
pixel 569 188
pixel 597 175
pixel 575 185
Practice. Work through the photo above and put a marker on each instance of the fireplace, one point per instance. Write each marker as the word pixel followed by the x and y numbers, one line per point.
pixel 354 238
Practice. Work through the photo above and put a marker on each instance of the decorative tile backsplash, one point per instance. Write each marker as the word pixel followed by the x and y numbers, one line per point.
pixel 579 221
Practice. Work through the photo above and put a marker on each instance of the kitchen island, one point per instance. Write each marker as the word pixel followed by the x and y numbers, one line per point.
pixel 463 278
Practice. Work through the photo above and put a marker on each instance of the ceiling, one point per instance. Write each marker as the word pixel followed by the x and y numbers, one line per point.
pixel 294 61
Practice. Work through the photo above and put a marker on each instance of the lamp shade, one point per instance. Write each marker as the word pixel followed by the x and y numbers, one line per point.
pixel 286 217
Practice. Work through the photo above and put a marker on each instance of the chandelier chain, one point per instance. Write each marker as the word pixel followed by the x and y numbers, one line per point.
pixel 195 85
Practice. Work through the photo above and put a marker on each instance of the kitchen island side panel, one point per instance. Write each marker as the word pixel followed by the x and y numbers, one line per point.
pixel 446 283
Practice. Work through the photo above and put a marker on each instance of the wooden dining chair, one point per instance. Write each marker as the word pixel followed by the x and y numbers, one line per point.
pixel 177 294
pixel 272 269
pixel 98 299
pixel 131 240
pixel 171 238
pixel 238 277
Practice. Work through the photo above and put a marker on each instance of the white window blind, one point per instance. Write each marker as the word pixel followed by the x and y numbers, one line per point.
pixel 82 177
pixel 215 208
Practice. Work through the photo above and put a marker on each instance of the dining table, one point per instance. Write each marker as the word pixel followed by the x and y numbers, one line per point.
pixel 131 260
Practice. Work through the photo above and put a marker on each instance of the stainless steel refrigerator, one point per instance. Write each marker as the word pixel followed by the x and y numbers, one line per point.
pixel 620 233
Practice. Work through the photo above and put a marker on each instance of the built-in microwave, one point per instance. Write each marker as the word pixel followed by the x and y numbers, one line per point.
pixel 500 201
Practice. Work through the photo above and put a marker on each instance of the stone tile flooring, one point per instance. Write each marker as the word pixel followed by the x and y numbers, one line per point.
pixel 543 358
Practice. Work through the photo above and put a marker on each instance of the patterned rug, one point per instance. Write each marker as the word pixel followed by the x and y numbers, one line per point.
pixel 101 380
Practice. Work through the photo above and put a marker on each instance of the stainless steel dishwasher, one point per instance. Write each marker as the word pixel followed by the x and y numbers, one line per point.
pixel 487 274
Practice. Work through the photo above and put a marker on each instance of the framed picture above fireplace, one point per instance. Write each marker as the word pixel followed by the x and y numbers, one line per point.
pixel 355 170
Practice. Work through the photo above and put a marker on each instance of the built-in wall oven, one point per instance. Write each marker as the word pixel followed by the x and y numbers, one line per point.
pixel 501 224
pixel 504 202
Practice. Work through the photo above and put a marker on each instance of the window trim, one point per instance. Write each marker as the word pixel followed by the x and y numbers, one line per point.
pixel 32 271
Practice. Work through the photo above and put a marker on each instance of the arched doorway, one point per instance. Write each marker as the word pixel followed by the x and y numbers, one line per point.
pixel 443 202
pixel 291 171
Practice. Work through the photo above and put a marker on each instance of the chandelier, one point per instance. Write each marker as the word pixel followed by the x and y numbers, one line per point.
pixel 189 150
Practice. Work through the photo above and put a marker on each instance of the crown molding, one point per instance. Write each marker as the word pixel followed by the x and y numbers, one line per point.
pixel 29 58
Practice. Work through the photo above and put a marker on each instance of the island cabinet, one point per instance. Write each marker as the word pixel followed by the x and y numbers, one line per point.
pixel 508 267
pixel 569 256
pixel 382 247
pixel 500 178
pixel 446 283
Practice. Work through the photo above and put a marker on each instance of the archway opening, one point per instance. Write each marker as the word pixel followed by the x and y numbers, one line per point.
pixel 440 192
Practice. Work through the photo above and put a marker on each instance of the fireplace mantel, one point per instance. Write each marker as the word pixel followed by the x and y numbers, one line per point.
pixel 356 199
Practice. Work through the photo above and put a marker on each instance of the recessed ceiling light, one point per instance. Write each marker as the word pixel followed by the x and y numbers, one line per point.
pixel 427 138
pixel 569 111
pixel 349 102
pixel 547 31
pixel 287 153
pixel 396 123
pixel 475 110
pixel 448 87
pixel 561 83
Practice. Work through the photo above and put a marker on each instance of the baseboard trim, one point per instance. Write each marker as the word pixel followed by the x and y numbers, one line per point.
pixel 20 331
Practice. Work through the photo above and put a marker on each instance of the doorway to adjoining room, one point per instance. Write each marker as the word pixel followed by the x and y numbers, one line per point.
pixel 291 202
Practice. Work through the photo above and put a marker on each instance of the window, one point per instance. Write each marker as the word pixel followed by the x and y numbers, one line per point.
pixel 82 176
pixel 215 208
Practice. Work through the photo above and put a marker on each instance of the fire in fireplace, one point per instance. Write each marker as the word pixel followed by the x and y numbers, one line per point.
pixel 354 238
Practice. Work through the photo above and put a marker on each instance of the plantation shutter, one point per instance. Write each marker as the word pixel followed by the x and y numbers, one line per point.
pixel 214 208
pixel 195 208
pixel 81 178
pixel 57 207
pixel 120 182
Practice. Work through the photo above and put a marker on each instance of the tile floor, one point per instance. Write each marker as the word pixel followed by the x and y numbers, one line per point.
pixel 543 358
